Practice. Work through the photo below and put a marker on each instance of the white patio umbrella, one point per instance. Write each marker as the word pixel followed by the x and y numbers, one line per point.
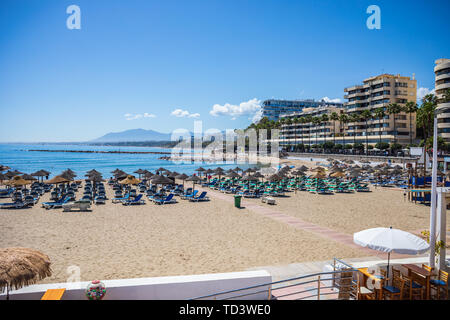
pixel 391 240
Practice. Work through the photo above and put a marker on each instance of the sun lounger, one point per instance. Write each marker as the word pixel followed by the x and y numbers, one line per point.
pixel 201 197
pixel 14 205
pixel 189 196
pixel 81 205
pixel 115 200
pixel 53 205
pixel 166 200
pixel 137 200
pixel 268 200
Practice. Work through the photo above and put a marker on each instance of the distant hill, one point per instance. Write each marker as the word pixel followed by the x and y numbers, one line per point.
pixel 133 135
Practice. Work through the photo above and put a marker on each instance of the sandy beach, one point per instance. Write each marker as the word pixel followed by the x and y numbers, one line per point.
pixel 115 241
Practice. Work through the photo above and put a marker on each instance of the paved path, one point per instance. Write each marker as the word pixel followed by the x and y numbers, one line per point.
pixel 330 234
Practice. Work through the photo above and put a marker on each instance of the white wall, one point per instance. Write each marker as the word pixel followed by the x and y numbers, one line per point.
pixel 161 288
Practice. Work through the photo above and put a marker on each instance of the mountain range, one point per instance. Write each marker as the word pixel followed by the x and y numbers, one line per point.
pixel 139 135
pixel 133 135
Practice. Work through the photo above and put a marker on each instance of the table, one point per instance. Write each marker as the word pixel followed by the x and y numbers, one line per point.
pixel 412 268
pixel 378 279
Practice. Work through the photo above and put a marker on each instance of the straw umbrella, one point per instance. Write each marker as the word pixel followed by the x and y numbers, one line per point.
pixel 57 180
pixel 219 172
pixel 10 174
pixel 337 174
pixel 194 179
pixel 200 170
pixel 139 172
pixel 41 174
pixel 21 267
pixel 209 172
pixel 237 169
pixel 67 175
pixel 182 177
pixel 173 174
pixel 249 170
pixel 233 175
pixel 160 180
pixel 129 180
pixel 274 178
pixel 161 169
pixel 303 168
pixel 319 175
pixel 28 177
pixel 18 181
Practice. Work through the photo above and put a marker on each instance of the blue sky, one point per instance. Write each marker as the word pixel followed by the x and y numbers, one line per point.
pixel 162 64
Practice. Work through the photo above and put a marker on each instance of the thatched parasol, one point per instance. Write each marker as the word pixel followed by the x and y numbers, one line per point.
pixel 337 174
pixel 67 175
pixel 41 174
pixel 57 180
pixel 10 174
pixel 159 179
pixel 173 174
pixel 319 175
pixel 249 170
pixel 274 178
pixel 28 177
pixel 21 267
pixel 194 179
pixel 182 177
pixel 233 174
pixel 148 175
pixel 18 181
pixel 70 172
pixel 130 180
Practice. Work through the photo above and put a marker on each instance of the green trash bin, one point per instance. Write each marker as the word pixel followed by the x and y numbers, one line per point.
pixel 237 201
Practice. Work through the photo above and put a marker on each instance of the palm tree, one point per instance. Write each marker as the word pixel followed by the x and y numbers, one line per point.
pixel 394 109
pixel 295 121
pixel 316 122
pixel 366 115
pixel 324 119
pixel 410 107
pixel 379 114
pixel 354 117
pixel 343 119
pixel 308 119
pixel 334 117
pixel 302 122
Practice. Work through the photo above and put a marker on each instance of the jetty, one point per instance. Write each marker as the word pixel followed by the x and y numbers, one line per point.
pixel 97 151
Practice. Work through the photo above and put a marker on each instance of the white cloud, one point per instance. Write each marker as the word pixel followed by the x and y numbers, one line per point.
pixel 251 107
pixel 422 92
pixel 180 113
pixel 258 116
pixel 326 99
pixel 130 116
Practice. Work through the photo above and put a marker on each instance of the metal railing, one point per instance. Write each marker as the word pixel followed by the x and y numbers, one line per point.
pixel 339 282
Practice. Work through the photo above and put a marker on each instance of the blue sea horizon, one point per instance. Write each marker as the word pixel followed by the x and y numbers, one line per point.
pixel 18 157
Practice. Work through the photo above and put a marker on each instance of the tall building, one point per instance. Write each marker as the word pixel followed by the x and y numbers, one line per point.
pixel 295 131
pixel 272 109
pixel 442 84
pixel 378 92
